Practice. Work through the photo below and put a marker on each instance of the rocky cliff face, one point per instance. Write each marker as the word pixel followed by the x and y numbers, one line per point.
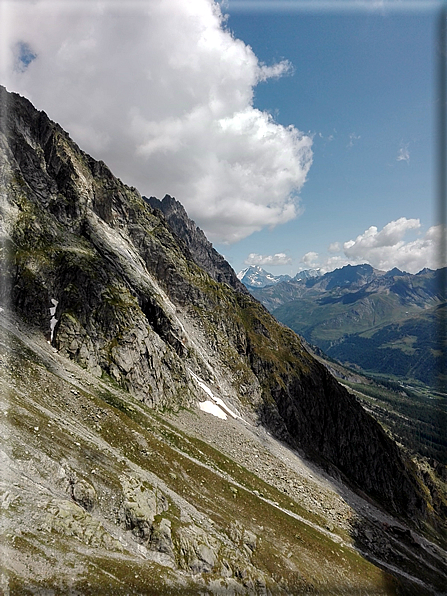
pixel 201 250
pixel 137 300
pixel 132 304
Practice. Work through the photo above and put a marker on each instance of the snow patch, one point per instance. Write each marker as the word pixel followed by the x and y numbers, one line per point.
pixel 214 405
pixel 202 384
pixel 54 307
pixel 223 405
pixel 211 408
pixel 241 274
pixel 53 319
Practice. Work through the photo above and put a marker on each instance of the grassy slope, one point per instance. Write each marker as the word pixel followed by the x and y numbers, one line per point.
pixel 99 433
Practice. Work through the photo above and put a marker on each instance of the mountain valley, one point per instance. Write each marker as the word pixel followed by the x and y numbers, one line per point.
pixel 381 322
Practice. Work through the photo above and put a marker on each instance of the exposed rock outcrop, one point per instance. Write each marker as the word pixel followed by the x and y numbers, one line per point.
pixel 134 305
pixel 201 249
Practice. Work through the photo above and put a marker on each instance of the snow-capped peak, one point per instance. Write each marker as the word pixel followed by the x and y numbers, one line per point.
pixel 256 277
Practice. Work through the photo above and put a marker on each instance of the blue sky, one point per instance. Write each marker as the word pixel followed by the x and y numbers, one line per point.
pixel 296 133
pixel 363 85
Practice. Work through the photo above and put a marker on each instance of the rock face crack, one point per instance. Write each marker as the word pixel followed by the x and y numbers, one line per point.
pixel 161 324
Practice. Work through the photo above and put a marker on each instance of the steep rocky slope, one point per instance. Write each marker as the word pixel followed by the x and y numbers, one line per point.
pixel 101 495
pixel 201 250
pixel 120 294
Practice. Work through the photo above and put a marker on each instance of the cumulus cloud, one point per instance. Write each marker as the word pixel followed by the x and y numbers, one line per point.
pixel 334 247
pixel 163 93
pixel 403 154
pixel 385 249
pixel 279 258
pixel 389 236
pixel 311 260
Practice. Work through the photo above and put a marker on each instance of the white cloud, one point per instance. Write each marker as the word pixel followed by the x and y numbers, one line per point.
pixel 271 260
pixel 403 154
pixel 385 249
pixel 334 247
pixel 162 92
pixel 352 139
pixel 276 71
pixel 311 260
pixel 390 236
pixel 327 139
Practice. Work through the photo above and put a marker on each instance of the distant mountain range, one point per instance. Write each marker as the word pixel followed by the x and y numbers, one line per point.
pixel 254 277
pixel 382 322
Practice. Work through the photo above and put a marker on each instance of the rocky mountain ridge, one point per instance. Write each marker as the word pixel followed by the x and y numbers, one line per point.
pixel 421 289
pixel 106 279
pixel 202 251
pixel 307 274
pixel 254 277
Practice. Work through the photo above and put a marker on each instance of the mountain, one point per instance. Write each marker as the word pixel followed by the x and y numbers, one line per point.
pixel 408 349
pixel 200 249
pixel 307 274
pixel 414 415
pixel 382 322
pixel 307 282
pixel 256 277
pixel 161 432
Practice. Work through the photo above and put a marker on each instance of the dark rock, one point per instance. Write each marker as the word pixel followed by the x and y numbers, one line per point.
pixel 83 494
pixel 161 539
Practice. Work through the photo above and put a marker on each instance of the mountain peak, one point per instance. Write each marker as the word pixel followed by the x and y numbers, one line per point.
pixel 199 247
pixel 395 272
pixel 256 277
pixel 307 274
